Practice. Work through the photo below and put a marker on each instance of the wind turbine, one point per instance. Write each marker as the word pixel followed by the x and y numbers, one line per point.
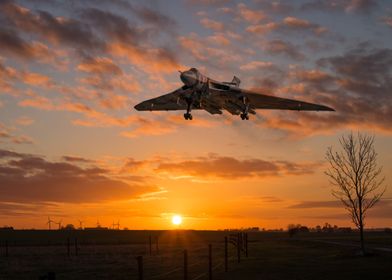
pixel 59 223
pixel 118 225
pixel 49 223
pixel 81 224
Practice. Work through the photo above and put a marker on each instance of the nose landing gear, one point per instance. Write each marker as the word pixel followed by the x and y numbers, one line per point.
pixel 244 116
pixel 188 115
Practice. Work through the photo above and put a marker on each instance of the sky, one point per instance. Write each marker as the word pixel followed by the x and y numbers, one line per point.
pixel 73 148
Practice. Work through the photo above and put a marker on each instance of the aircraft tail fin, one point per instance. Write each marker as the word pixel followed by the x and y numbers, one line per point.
pixel 236 81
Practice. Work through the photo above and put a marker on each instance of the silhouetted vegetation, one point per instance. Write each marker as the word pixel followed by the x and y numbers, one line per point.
pixel 356 177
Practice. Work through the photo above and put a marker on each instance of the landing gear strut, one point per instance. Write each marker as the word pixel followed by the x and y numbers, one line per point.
pixel 188 115
pixel 245 115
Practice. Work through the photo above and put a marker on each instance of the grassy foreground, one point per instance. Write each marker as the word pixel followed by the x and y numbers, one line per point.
pixel 111 255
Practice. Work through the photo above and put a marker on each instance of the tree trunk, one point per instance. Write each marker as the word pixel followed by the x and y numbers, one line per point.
pixel 361 228
pixel 361 238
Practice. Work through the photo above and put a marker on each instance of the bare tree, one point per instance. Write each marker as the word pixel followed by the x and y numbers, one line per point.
pixel 357 178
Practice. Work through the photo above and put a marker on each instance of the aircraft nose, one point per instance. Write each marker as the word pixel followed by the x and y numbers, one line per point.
pixel 188 78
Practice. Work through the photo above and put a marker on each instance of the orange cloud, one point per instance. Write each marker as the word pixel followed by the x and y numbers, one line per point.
pixel 147 128
pixel 262 28
pixel 212 24
pixel 201 51
pixel 231 168
pixel 141 126
pixel 38 102
pixel 36 79
pixel 219 39
pixel 10 76
pixel 125 83
pixel 94 117
pixel 253 65
pixel 163 125
pixel 296 22
pixel 147 58
pixel 25 121
pixel 7 76
pixel 313 75
pixel 99 65
pixel 61 181
pixel 286 25
pixel 7 134
pixel 114 101
pixel 250 15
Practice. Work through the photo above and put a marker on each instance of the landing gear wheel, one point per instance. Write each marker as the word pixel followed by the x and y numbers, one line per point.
pixel 188 116
pixel 244 116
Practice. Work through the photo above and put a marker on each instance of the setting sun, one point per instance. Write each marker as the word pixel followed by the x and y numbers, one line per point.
pixel 176 220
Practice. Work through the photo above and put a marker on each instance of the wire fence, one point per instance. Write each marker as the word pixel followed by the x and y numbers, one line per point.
pixel 196 260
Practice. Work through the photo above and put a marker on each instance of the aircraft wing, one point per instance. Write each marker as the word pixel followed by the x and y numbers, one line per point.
pixel 261 101
pixel 175 100
pixel 167 102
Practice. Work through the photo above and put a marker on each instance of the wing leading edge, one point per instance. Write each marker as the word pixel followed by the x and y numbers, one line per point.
pixel 166 102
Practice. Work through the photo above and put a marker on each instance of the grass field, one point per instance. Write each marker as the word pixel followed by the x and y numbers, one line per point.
pixel 111 255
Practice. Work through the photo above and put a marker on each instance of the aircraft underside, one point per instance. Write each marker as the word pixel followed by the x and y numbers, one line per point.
pixel 214 104
pixel 202 93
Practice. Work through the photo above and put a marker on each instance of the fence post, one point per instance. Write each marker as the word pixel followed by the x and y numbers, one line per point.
pixel 185 264
pixel 68 247
pixel 238 248
pixel 209 261
pixel 156 245
pixel 226 254
pixel 76 246
pixel 140 266
pixel 246 244
pixel 150 244
pixel 6 248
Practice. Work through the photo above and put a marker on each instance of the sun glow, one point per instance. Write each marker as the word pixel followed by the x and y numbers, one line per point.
pixel 176 220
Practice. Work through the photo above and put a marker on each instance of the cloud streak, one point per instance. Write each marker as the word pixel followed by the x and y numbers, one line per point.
pixel 230 168
pixel 32 178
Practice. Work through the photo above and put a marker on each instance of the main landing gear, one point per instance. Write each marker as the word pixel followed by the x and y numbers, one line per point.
pixel 245 115
pixel 188 115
